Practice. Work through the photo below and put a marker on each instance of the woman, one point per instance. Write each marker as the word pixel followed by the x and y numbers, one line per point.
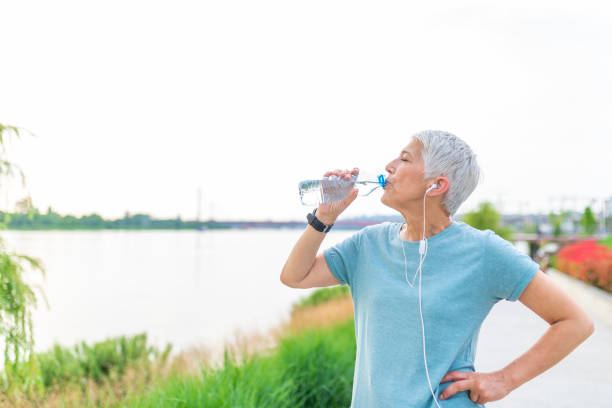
pixel 419 305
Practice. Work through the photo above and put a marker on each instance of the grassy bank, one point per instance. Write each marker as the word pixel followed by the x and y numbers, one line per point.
pixel 313 368
pixel 84 374
pixel 310 364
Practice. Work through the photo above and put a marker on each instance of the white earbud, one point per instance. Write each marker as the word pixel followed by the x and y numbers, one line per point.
pixel 432 187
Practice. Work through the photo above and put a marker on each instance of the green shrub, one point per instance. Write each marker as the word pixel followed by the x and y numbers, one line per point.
pixel 62 365
pixel 606 241
pixel 553 261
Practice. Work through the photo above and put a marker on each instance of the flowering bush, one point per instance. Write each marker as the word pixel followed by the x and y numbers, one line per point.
pixel 588 261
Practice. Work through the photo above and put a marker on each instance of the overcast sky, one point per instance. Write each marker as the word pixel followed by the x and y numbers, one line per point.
pixel 136 104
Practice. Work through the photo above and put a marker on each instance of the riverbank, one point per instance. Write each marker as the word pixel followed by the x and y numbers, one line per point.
pixel 324 327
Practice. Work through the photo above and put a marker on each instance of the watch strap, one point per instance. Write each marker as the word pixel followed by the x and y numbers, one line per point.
pixel 317 223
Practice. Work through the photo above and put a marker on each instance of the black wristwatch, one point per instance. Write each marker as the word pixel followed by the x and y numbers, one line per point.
pixel 316 223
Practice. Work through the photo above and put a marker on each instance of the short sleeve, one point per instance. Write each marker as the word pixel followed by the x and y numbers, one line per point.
pixel 341 259
pixel 508 270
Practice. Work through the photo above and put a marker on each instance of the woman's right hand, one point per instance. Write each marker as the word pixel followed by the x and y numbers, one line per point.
pixel 329 212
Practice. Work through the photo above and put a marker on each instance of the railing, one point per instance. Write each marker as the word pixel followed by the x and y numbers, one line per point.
pixel 536 240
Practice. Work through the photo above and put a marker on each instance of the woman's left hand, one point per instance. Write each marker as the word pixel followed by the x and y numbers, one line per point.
pixel 482 387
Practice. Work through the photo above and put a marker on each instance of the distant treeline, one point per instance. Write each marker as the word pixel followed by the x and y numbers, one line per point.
pixel 28 217
pixel 34 220
pixel 31 219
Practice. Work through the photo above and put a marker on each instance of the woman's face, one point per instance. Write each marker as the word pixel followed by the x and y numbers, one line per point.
pixel 405 180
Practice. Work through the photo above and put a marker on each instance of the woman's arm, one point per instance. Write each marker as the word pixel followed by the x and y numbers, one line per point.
pixel 569 326
pixel 302 260
pixel 303 257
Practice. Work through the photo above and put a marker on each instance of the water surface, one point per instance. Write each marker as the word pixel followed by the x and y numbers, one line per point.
pixel 184 287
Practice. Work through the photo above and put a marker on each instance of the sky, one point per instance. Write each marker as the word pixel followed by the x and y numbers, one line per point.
pixel 135 105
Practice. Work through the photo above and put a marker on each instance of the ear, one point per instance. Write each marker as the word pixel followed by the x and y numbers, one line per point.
pixel 443 186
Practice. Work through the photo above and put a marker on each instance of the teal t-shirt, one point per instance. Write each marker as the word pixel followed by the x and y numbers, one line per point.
pixel 465 273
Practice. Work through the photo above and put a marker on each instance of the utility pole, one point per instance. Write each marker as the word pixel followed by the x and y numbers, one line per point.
pixel 211 207
pixel 199 204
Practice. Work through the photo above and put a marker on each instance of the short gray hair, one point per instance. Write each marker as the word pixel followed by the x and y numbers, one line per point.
pixel 444 154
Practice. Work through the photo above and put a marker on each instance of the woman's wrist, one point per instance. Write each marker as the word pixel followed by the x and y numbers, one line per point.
pixel 326 219
pixel 509 380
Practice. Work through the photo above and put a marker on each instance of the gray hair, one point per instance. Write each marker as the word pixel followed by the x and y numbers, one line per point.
pixel 444 154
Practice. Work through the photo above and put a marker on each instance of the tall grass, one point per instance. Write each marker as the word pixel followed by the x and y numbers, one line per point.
pixel 62 370
pixel 62 365
pixel 313 368
pixel 310 364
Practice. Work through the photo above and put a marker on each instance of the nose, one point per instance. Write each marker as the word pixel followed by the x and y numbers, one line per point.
pixel 388 168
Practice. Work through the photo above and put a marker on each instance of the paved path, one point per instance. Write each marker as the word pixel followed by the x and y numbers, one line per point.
pixel 582 379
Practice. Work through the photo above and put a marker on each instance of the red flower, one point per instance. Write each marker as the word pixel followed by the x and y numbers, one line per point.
pixel 587 261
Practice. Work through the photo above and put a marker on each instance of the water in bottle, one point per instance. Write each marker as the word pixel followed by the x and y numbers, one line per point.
pixel 334 188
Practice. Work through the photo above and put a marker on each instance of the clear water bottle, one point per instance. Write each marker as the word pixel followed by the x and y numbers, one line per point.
pixel 334 188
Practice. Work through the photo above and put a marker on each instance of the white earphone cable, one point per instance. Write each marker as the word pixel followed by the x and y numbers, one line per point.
pixel 406 268
pixel 422 259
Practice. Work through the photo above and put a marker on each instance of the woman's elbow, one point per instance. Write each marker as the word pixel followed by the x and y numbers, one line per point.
pixel 585 326
pixel 590 327
pixel 584 323
pixel 580 327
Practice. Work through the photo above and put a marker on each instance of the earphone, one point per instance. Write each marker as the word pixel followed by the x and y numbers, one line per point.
pixel 423 242
pixel 422 255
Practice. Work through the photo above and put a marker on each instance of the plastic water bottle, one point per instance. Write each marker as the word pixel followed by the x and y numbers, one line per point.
pixel 334 188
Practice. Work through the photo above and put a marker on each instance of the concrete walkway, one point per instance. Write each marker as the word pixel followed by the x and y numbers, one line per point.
pixel 582 379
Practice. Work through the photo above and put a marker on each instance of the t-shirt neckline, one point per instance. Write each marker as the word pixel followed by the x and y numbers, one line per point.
pixel 433 238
